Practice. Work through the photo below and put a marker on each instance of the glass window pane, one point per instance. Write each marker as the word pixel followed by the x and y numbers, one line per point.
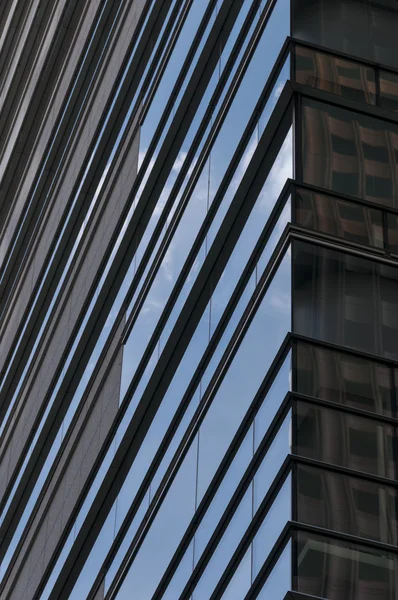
pixel 263 338
pixel 345 299
pixel 346 440
pixel 392 232
pixel 275 520
pixel 347 504
pixel 389 90
pixel 344 378
pixel 350 153
pixel 335 570
pixel 340 218
pixel 335 74
pixel 279 580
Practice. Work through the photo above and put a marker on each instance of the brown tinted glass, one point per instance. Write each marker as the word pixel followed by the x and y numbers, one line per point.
pixel 389 90
pixel 392 232
pixel 345 299
pixel 344 378
pixel 338 438
pixel 347 504
pixel 341 218
pixel 337 570
pixel 350 153
pixel 336 75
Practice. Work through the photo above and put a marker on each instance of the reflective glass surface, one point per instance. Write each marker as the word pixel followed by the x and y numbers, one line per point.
pixel 389 90
pixel 335 74
pixel 362 28
pixel 340 218
pixel 345 299
pixel 279 579
pixel 339 438
pixel 344 378
pixel 334 569
pixel 350 153
pixel 347 504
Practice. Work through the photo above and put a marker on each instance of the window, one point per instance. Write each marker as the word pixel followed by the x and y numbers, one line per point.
pixel 349 152
pixel 345 440
pixel 334 569
pixel 346 504
pixel 344 299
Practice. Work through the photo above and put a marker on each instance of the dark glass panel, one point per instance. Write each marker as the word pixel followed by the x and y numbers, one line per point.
pixel 389 90
pixel 338 570
pixel 353 222
pixel 344 378
pixel 336 75
pixel 347 504
pixel 362 28
pixel 345 299
pixel 350 153
pixel 392 233
pixel 345 440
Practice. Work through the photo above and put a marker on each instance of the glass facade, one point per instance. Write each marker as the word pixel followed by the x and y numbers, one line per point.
pixel 199 300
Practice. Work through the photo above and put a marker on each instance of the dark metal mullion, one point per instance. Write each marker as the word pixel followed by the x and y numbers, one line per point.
pixel 252 530
pixel 52 279
pixel 345 537
pixel 224 465
pixel 349 57
pixel 70 117
pixel 341 196
pixel 171 356
pixel 191 323
pixel 319 464
pixel 224 320
pixel 270 562
pixel 45 444
pixel 79 211
pixel 191 183
pixel 343 102
pixel 367 253
pixel 224 21
pixel 197 171
pixel 344 350
pixel 234 502
pixel 171 99
pixel 348 409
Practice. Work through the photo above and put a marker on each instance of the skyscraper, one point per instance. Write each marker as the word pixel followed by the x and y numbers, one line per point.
pixel 199 299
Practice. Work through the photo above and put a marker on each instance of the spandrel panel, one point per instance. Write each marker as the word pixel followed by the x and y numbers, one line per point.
pixel 345 299
pixel 336 75
pixel 344 378
pixel 345 440
pixel 333 569
pixel 350 153
pixel 347 504
pixel 341 218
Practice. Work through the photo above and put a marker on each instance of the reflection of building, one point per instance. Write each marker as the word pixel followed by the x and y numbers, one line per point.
pixel 199 357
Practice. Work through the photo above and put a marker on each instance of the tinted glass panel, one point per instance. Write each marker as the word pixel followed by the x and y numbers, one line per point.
pixel 353 222
pixel 362 28
pixel 333 569
pixel 335 75
pixel 392 232
pixel 350 153
pixel 344 378
pixel 389 90
pixel 346 300
pixel 346 440
pixel 347 504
